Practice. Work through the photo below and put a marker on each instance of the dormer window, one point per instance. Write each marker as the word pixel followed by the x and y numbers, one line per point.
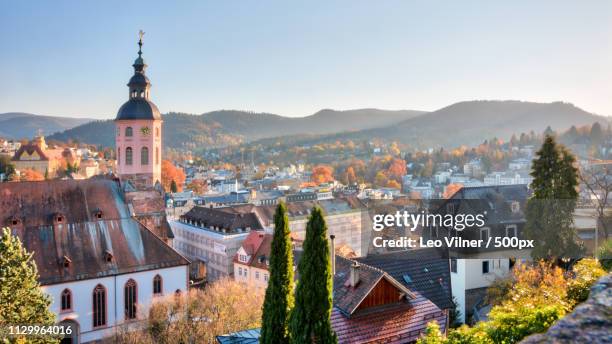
pixel 98 215
pixel 243 258
pixel 13 221
pixel 66 262
pixel 108 256
pixel 59 218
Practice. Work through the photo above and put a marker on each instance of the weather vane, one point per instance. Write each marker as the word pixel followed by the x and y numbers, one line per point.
pixel 140 35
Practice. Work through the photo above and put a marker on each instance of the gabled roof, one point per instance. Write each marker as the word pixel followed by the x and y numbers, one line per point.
pixel 30 149
pixel 258 246
pixel 81 236
pixel 423 270
pixel 347 298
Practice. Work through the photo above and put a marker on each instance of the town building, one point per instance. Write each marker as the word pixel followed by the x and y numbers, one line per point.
pixel 213 236
pixel 473 269
pixel 252 261
pixel 102 245
pixel 39 157
pixel 370 306
pixel 91 253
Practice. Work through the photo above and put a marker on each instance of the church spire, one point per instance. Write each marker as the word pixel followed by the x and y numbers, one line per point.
pixel 139 84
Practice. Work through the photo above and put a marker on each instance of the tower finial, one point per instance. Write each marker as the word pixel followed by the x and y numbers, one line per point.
pixel 140 35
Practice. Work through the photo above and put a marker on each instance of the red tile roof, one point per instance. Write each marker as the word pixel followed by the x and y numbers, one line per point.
pixel 394 323
pixel 257 245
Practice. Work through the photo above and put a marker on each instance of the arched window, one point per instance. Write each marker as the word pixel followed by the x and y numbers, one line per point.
pixel 156 155
pixel 144 156
pixel 99 306
pixel 157 285
pixel 129 132
pixel 129 299
pixel 128 156
pixel 66 300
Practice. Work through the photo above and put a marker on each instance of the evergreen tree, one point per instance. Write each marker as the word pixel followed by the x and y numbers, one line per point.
pixel 550 211
pixel 279 293
pixel 22 302
pixel 173 186
pixel 310 319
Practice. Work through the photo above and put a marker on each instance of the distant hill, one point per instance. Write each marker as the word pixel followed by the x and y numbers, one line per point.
pixel 471 122
pixel 225 127
pixel 20 125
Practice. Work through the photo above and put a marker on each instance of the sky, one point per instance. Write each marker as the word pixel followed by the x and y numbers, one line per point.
pixel 293 58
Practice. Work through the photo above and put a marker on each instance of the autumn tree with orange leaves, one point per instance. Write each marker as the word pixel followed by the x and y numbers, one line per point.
pixel 30 176
pixel 322 174
pixel 170 173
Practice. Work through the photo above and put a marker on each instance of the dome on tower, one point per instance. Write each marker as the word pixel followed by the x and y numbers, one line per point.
pixel 138 108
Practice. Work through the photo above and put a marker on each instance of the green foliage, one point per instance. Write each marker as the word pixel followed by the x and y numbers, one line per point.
pixel 539 295
pixel 432 334
pixel 22 302
pixel 173 186
pixel 310 319
pixel 455 315
pixel 550 211
pixel 6 166
pixel 585 272
pixel 604 253
pixel 279 293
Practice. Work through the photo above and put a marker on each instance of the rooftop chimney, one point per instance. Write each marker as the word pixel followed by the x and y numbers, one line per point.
pixel 354 276
pixel 333 255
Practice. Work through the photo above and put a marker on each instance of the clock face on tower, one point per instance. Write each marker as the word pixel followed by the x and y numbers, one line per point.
pixel 145 131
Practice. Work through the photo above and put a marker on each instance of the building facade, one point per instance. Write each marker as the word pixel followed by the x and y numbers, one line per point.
pixel 138 137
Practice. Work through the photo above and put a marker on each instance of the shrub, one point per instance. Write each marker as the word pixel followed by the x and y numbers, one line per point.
pixel 584 274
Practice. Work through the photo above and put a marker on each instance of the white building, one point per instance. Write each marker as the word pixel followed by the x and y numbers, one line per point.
pixel 213 236
pixel 508 178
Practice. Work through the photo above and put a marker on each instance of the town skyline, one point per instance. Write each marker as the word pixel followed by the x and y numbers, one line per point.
pixel 294 61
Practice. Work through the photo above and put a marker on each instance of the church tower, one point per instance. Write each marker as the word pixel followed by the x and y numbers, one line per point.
pixel 138 137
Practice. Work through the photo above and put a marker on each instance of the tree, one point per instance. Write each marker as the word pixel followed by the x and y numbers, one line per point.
pixel 6 167
pixel 310 319
pixel 30 176
pixel 198 186
pixel 173 187
pixel 279 293
pixel 598 181
pixel 322 174
pixel 432 334
pixel 170 173
pixel 550 211
pixel 21 299
pixel 198 316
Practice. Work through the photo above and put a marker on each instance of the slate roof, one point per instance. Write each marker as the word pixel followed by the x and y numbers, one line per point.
pixel 495 200
pixel 424 270
pixel 32 210
pixel 138 108
pixel 241 337
pixel 214 217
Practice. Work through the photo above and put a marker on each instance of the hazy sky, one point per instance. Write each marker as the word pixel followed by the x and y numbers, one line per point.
pixel 293 58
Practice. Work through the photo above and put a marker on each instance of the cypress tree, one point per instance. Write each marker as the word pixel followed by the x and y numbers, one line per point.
pixel 173 187
pixel 279 294
pixel 21 299
pixel 550 211
pixel 310 319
